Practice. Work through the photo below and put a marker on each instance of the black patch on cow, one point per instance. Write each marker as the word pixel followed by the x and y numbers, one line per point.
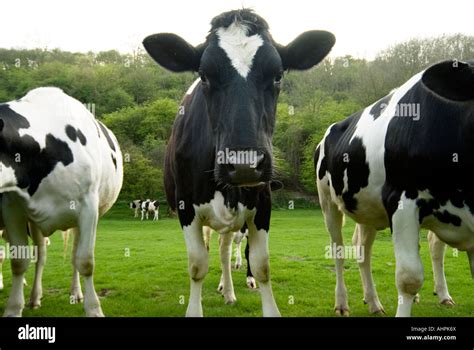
pixel 345 156
pixel 107 136
pixel 71 132
pixel 448 218
pixel 323 167
pixel 247 257
pixel 74 134
pixel 81 137
pixel 432 153
pixel 35 163
pixel 426 207
pixel 451 79
pixel 378 108
pixel 114 160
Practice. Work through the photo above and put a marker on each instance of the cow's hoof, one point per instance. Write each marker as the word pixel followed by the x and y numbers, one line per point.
pixel 448 302
pixel 342 310
pixel 76 297
pixel 95 312
pixel 34 304
pixel 230 299
pixel 251 284
pixel 12 313
pixel 416 300
pixel 379 312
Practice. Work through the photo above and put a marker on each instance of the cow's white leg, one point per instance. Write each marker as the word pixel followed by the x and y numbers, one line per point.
pixel 197 264
pixel 225 250
pixel 18 238
pixel 76 290
pixel 206 232
pixel 40 242
pixel 84 257
pixel 437 250
pixel 259 262
pixel 238 255
pixel 333 219
pixel 409 269
pixel 364 237
pixel 143 214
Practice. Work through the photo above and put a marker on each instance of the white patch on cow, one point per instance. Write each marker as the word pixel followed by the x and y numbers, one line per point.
pixel 220 217
pixel 239 47
pixel 193 86
pixel 7 178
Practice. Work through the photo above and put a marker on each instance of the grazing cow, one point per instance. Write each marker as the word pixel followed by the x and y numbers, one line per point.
pixel 137 205
pixel 218 163
pixel 152 208
pixel 405 162
pixel 61 168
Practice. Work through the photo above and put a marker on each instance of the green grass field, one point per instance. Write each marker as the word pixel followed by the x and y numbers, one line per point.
pixel 153 279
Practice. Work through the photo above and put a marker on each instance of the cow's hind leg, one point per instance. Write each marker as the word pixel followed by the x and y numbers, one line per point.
pixel 197 265
pixel 15 224
pixel 364 237
pixel 76 295
pixel 409 269
pixel 226 285
pixel 40 242
pixel 333 219
pixel 437 250
pixel 251 284
pixel 84 255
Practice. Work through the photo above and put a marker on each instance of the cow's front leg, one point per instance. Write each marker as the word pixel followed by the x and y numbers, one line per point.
pixel 37 291
pixel 15 225
pixel 409 269
pixel 250 280
pixel 259 256
pixel 197 264
pixel 226 285
pixel 84 256
pixel 437 250
pixel 2 259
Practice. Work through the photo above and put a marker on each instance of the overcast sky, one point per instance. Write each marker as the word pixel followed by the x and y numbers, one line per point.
pixel 362 27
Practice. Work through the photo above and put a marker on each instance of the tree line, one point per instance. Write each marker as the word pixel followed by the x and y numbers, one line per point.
pixel 138 100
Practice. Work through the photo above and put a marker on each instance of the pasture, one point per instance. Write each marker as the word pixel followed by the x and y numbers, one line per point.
pixel 141 270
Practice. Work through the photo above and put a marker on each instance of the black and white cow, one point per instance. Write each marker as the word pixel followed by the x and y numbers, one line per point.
pixel 137 205
pixel 405 162
pixel 60 168
pixel 150 207
pixel 218 162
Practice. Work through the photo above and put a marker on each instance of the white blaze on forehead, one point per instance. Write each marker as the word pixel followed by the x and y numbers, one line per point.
pixel 239 47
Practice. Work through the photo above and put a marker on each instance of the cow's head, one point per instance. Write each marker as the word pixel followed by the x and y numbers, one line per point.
pixel 240 68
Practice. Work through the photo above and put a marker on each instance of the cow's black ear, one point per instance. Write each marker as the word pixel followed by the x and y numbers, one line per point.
pixel 453 80
pixel 307 50
pixel 173 52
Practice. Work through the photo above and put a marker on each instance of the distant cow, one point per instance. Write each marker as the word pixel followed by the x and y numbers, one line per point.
pixel 137 205
pixel 218 163
pixel 69 175
pixel 150 207
pixel 405 162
